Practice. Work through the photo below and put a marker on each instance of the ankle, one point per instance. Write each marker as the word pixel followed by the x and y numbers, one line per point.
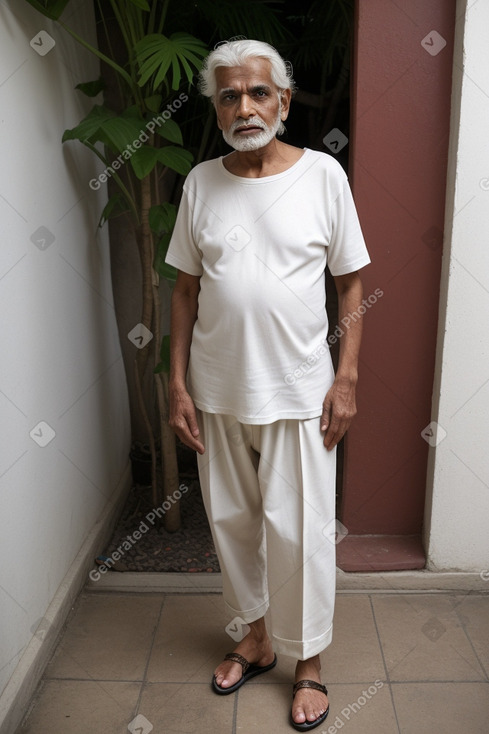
pixel 258 632
pixel 311 664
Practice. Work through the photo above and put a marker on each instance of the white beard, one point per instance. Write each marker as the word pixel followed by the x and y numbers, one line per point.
pixel 257 140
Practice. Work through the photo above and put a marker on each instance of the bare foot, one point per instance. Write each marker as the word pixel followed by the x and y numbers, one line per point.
pixel 308 704
pixel 256 648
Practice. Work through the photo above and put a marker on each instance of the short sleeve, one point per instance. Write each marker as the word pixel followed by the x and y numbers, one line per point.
pixel 347 251
pixel 183 252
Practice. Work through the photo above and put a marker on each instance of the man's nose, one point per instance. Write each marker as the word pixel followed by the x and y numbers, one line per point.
pixel 245 107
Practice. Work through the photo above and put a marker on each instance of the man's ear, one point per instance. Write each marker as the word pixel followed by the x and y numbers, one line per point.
pixel 285 97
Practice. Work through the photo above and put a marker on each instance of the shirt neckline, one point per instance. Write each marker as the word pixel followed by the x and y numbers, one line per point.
pixel 263 179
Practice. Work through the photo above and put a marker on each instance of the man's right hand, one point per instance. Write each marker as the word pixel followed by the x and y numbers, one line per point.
pixel 183 419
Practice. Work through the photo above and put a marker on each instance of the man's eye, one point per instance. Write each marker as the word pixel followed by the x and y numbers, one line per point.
pixel 261 93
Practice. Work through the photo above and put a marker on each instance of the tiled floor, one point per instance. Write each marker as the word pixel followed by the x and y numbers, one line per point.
pixel 409 663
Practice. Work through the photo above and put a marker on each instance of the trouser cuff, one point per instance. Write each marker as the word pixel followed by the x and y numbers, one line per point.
pixel 302 650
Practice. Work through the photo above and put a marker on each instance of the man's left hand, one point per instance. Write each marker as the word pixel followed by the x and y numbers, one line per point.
pixel 339 408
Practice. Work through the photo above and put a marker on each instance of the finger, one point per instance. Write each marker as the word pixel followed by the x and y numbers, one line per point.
pixel 332 435
pixel 325 417
pixel 186 437
pixel 330 440
pixel 191 418
pixel 193 426
pixel 336 433
pixel 199 447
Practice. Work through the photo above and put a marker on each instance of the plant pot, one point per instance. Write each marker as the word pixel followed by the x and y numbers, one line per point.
pixel 140 456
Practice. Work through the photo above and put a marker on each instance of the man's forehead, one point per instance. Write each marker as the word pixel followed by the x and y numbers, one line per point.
pixel 254 72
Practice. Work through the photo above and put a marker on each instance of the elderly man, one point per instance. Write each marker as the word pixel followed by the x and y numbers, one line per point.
pixel 252 388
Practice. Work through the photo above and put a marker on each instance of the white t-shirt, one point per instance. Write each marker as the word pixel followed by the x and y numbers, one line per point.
pixel 260 247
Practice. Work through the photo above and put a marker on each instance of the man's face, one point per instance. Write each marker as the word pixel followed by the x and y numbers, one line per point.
pixel 249 106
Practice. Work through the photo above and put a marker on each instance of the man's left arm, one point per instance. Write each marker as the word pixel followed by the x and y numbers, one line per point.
pixel 339 406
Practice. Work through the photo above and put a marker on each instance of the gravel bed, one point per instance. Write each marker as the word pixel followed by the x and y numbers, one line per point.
pixel 189 549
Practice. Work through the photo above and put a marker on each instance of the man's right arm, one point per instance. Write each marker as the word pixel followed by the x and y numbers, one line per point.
pixel 184 305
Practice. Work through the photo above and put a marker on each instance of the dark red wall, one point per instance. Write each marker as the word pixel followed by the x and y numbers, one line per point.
pixel 398 149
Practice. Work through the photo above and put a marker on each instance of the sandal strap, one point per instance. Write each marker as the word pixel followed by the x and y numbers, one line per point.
pixel 306 683
pixel 237 658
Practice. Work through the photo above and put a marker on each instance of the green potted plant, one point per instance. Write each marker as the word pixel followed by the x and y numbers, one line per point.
pixel 141 147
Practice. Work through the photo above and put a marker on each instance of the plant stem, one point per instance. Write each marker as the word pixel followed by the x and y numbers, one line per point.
pixel 118 180
pixel 122 26
pixel 168 455
pixel 110 47
pixel 123 73
pixel 163 17
pixel 152 16
pixel 144 241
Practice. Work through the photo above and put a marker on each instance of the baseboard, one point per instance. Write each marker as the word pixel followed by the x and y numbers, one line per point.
pixel 346 583
pixel 20 689
pixel 158 582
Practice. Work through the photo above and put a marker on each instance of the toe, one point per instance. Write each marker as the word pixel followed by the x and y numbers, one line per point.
pixel 312 715
pixel 227 677
pixel 307 710
pixel 298 715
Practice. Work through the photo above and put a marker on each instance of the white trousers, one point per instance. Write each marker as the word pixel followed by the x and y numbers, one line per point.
pixel 269 495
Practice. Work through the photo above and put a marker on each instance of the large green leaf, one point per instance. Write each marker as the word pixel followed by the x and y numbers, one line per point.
pixel 115 206
pixel 170 131
pixel 178 159
pixel 49 8
pixel 87 129
pixel 121 132
pixel 91 89
pixel 153 102
pixel 162 217
pixel 156 53
pixel 145 158
pixel 118 132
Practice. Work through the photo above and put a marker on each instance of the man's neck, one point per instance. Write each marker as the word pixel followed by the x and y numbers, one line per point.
pixel 273 158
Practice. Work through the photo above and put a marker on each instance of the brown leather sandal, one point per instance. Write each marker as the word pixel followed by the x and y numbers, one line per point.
pixel 307 725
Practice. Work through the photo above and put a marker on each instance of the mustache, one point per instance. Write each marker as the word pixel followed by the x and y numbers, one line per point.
pixel 251 122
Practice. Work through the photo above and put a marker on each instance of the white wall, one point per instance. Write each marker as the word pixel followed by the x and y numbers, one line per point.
pixel 458 479
pixel 60 358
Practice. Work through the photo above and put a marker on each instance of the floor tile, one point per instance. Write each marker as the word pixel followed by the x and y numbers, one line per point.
pixel 191 639
pixel 450 708
pixel 422 638
pixel 186 708
pixel 361 708
pixel 473 612
pixel 355 653
pixel 264 707
pixel 78 707
pixel 109 638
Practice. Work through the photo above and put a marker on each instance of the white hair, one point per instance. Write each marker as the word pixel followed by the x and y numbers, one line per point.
pixel 236 53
